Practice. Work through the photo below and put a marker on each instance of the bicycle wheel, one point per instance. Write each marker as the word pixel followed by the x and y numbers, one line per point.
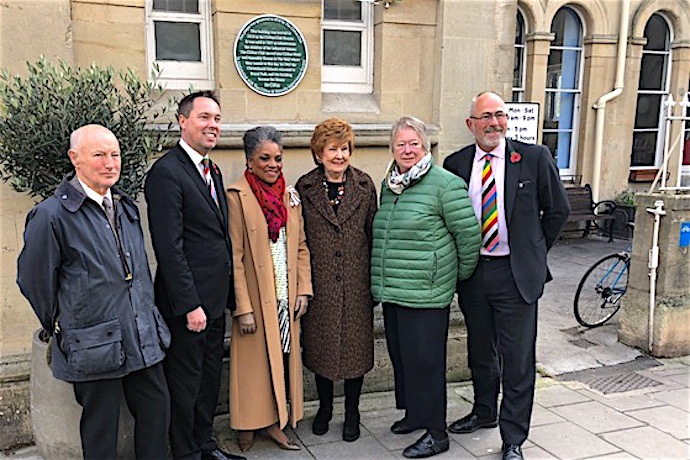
pixel 599 293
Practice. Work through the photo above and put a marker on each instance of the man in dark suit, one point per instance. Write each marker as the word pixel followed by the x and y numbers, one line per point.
pixel 518 198
pixel 188 219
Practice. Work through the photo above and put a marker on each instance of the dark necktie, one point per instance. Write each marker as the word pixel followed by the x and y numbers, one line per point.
pixel 209 180
pixel 110 213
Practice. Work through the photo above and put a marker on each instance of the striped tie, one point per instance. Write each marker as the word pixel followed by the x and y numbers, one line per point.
pixel 209 180
pixel 489 207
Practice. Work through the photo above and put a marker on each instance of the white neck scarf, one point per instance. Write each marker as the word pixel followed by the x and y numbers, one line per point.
pixel 398 182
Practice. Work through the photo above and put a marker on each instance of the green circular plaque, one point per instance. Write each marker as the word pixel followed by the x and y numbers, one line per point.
pixel 271 55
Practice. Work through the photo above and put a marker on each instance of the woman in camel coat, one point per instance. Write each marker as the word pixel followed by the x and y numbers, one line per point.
pixel 266 381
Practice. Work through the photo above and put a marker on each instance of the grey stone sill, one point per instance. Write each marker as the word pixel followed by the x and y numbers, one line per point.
pixel 299 134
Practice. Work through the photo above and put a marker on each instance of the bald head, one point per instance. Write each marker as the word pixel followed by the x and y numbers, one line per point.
pixel 487 122
pixel 95 154
pixel 484 95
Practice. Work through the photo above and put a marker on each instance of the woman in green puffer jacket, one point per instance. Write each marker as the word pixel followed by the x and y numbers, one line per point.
pixel 426 238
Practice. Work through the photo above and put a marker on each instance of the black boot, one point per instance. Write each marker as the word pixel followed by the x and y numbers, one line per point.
pixel 324 387
pixel 353 388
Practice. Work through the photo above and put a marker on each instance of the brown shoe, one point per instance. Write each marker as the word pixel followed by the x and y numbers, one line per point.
pixel 245 440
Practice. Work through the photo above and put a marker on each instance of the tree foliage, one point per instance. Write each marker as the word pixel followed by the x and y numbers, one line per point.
pixel 39 112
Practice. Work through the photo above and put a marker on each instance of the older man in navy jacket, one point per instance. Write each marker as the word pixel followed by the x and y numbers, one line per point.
pixel 85 272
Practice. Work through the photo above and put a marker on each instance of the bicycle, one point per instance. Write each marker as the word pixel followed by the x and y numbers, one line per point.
pixel 598 296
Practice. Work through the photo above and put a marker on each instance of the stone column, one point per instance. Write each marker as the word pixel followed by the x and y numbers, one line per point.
pixel 671 327
pixel 475 53
pixel 538 45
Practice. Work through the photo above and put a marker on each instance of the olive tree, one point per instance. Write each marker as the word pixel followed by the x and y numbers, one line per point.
pixel 38 113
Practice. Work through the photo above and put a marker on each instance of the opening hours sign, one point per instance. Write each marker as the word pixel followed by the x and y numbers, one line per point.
pixel 271 55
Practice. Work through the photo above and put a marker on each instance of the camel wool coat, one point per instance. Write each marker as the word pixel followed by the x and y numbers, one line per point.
pixel 258 397
pixel 338 330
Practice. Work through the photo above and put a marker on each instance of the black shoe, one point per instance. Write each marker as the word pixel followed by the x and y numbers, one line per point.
pixel 401 427
pixel 320 425
pixel 351 427
pixel 470 423
pixel 512 452
pixel 217 454
pixel 426 446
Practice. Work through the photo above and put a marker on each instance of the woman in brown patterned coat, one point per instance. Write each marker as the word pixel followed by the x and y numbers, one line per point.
pixel 338 205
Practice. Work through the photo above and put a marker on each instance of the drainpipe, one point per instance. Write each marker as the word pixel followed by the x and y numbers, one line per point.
pixel 600 105
pixel 658 211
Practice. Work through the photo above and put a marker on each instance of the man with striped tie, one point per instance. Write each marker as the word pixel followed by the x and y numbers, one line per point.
pixel 188 219
pixel 521 204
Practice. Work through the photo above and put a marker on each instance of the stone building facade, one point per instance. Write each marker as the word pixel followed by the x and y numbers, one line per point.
pixel 600 71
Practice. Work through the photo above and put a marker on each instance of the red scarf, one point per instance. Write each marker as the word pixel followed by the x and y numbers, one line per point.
pixel 270 198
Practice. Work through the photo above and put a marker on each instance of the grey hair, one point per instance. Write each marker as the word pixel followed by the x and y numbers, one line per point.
pixel 473 103
pixel 254 137
pixel 413 123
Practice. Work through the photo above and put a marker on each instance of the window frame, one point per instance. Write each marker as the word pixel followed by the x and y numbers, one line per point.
pixel 664 93
pixel 574 129
pixel 182 75
pixel 518 92
pixel 685 156
pixel 350 79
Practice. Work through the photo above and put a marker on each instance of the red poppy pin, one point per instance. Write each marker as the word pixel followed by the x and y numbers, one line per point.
pixel 215 168
pixel 515 157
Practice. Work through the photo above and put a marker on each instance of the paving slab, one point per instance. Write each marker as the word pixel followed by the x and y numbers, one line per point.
pixel 649 443
pixel 379 427
pixel 569 441
pixel 596 417
pixel 544 416
pixel 456 451
pixel 485 441
pixel 537 453
pixel 365 447
pixel 623 402
pixel 558 396
pixel 668 419
pixel 616 456
pixel 678 398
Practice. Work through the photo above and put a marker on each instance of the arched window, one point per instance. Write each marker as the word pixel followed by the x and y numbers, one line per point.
pixel 563 89
pixel 520 54
pixel 653 87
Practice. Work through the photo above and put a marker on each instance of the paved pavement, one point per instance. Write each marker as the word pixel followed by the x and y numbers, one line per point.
pixel 596 398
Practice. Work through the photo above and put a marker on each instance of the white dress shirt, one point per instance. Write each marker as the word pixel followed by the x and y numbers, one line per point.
pixel 196 158
pixel 94 195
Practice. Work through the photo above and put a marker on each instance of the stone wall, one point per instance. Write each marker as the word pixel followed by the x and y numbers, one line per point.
pixel 671 328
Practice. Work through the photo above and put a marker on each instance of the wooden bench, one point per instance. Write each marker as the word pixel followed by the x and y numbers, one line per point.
pixel 584 209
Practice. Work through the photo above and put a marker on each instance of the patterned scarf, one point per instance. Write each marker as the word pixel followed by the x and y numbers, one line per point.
pixel 397 182
pixel 270 198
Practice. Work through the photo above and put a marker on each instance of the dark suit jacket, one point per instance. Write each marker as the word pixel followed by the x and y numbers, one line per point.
pixel 190 238
pixel 536 207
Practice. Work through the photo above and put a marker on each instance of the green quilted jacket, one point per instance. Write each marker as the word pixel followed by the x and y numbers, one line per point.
pixel 425 240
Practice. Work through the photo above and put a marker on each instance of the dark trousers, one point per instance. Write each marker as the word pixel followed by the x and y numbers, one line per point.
pixel 500 324
pixel 416 339
pixel 192 368
pixel 147 398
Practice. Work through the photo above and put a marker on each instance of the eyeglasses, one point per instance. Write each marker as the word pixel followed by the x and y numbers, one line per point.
pixel 414 145
pixel 485 118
